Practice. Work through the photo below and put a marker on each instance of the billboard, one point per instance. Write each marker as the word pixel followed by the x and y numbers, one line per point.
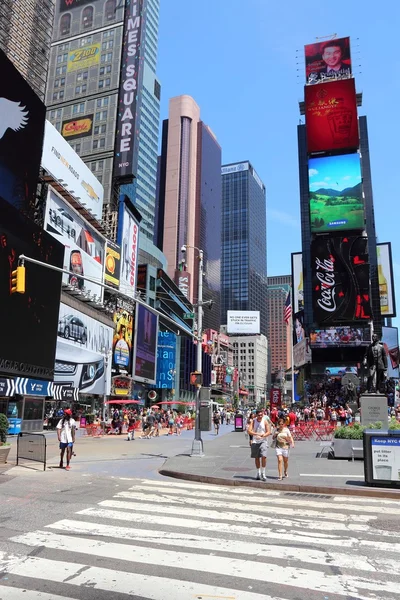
pixel 386 282
pixel 340 279
pixel 243 321
pixel 112 264
pixel 62 162
pixel 129 82
pixel 275 398
pixel 335 192
pixel 237 168
pixel 22 117
pixel 84 247
pixel 70 4
pixel 328 60
pixel 83 346
pixel 145 360
pixel 128 232
pixel 302 353
pixel 340 371
pixel 29 321
pixel 123 335
pixel 297 282
pixel 298 327
pixel 331 116
pixel 83 58
pixel 166 360
pixel 77 128
pixel 340 336
pixel 390 341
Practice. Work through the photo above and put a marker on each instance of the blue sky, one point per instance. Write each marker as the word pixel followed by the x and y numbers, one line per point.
pixel 334 172
pixel 243 63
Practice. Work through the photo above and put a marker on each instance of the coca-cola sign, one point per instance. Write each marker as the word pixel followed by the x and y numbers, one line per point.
pixel 340 279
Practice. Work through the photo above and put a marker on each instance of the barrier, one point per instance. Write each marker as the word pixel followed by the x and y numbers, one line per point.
pixel 32 446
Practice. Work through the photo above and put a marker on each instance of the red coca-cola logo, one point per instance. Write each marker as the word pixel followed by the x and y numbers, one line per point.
pixel 325 273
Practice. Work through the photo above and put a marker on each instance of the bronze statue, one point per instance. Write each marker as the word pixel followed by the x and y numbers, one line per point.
pixel 376 361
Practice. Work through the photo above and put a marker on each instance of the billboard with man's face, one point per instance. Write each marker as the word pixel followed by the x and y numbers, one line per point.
pixel 328 60
pixel 331 116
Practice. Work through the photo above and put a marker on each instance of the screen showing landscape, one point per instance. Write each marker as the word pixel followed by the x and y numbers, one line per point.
pixel 340 336
pixel 335 191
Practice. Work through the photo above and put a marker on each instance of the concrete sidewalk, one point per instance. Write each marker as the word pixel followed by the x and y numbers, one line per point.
pixel 227 462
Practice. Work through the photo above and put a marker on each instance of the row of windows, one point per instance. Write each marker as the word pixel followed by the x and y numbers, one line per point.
pixel 87 17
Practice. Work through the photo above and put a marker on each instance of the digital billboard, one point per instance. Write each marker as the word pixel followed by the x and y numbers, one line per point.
pixel 243 321
pixel 340 371
pixel 331 116
pixel 297 282
pixel 386 282
pixel 77 128
pixel 328 60
pixel 166 360
pixel 71 4
pixel 340 279
pixel 123 335
pixel 22 117
pixel 112 264
pixel 298 327
pixel 128 238
pixel 340 336
pixel 335 192
pixel 390 341
pixel 84 246
pixel 146 331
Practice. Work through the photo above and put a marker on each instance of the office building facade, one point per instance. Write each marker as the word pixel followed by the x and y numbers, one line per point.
pixel 26 28
pixel 250 357
pixel 189 203
pixel 244 242
pixel 279 334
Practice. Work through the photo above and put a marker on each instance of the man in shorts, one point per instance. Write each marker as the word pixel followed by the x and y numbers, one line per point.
pixel 66 436
pixel 260 430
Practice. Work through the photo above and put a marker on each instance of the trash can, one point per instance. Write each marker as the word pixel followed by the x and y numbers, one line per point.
pixel 382 457
pixel 239 422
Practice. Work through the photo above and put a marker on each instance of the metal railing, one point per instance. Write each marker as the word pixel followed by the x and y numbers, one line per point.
pixel 33 447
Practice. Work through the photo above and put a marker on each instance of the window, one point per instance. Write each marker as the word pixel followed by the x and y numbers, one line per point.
pixel 104 83
pixel 61 70
pixel 65 24
pixel 62 58
pixel 56 114
pixel 106 57
pixel 101 143
pixel 110 9
pixel 101 115
pixel 106 69
pixel 107 45
pixel 58 125
pixel 100 129
pixel 86 40
pixel 81 89
pixel 58 95
pixel 82 76
pixel 102 102
pixel 87 17
pixel 152 284
pixel 77 109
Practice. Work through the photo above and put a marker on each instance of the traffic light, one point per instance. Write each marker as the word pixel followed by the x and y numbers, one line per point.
pixel 18 281
pixel 196 378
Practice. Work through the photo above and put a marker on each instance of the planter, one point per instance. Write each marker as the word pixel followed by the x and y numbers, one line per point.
pixel 343 448
pixel 4 452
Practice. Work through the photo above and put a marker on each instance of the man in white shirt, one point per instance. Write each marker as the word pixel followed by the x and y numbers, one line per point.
pixel 260 430
pixel 66 436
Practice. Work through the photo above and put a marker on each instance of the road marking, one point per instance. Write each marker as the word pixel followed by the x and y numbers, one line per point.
pixel 13 593
pixel 344 585
pixel 189 540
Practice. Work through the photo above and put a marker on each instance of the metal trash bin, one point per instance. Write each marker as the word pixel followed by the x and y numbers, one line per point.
pixel 239 422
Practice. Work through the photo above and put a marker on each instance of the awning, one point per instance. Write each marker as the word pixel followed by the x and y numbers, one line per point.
pixel 123 402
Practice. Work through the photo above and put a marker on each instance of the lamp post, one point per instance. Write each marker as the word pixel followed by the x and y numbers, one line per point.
pixel 197 446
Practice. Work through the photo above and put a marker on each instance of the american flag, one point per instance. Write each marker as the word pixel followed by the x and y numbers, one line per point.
pixel 287 309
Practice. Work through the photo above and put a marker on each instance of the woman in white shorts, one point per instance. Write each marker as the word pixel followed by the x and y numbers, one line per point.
pixel 283 441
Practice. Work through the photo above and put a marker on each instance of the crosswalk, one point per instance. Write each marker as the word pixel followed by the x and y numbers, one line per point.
pixel 164 540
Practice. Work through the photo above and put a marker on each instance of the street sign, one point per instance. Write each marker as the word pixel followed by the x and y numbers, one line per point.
pixel 188 316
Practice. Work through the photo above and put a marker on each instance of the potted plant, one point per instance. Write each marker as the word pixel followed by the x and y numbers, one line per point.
pixel 346 439
pixel 4 446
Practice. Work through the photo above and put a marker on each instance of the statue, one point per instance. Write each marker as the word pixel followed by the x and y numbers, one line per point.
pixel 376 361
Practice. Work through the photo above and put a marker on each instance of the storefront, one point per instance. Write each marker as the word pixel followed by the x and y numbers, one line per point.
pixel 22 400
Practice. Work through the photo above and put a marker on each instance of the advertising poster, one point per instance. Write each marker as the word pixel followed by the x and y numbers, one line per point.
pixel 340 371
pixel 166 360
pixel 71 4
pixel 335 190
pixel 390 341
pixel 331 116
pixel 302 353
pixel 340 336
pixel 62 162
pixel 275 398
pixel 77 128
pixel 128 230
pixel 145 345
pixel 297 279
pixel 340 279
pixel 83 350
pixel 112 264
pixel 30 318
pixel 386 458
pixel 328 60
pixel 83 58
pixel 243 321
pixel 386 282
pixel 84 247
pixel 298 327
pixel 123 335
pixel 22 117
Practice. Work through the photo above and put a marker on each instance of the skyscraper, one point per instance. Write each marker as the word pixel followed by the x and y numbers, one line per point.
pixel 244 242
pixel 279 342
pixel 25 33
pixel 189 202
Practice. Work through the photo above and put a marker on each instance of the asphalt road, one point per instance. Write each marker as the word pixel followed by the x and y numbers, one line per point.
pixel 98 536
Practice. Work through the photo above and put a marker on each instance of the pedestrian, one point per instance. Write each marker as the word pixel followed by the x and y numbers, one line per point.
pixel 283 441
pixel 260 430
pixel 66 436
pixel 248 427
pixel 216 420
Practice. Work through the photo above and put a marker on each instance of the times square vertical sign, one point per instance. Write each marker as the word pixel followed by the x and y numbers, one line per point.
pixel 128 90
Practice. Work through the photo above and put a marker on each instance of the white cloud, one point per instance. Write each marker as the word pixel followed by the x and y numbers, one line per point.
pixel 282 217
pixel 318 184
pixel 327 179
pixel 312 172
pixel 346 178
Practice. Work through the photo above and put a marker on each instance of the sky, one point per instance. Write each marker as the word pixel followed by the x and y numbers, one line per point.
pixel 334 172
pixel 243 63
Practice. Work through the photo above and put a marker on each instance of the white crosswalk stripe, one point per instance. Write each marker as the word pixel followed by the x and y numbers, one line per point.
pixel 182 541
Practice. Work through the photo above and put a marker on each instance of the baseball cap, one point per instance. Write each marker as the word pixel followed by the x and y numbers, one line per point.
pixel 67 411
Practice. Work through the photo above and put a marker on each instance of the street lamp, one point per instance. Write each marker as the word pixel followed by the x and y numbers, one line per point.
pixel 197 446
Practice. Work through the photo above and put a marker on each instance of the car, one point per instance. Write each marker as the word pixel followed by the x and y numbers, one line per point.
pixel 71 327
pixel 79 368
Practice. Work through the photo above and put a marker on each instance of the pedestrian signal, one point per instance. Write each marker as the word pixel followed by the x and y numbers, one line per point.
pixel 196 378
pixel 18 281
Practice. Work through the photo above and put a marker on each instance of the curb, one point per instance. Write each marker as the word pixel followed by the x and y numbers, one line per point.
pixel 285 487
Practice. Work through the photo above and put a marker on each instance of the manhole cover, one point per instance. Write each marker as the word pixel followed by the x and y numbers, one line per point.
pixel 238 469
pixel 390 524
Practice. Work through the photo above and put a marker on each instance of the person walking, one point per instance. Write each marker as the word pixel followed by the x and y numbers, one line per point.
pixel 66 437
pixel 283 441
pixel 216 420
pixel 259 429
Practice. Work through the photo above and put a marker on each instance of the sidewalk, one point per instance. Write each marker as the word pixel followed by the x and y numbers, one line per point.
pixel 227 462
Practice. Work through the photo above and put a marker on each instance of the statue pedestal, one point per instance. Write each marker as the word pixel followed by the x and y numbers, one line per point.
pixel 374 408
